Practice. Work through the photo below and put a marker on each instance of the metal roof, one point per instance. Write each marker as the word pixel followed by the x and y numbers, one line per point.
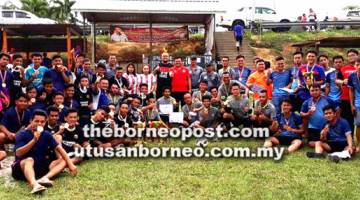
pixel 40 29
pixel 139 11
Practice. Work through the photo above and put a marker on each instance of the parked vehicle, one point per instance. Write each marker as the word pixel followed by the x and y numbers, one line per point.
pixel 21 17
pixel 246 16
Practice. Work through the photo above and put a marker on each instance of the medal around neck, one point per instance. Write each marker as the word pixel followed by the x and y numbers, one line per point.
pixel 39 129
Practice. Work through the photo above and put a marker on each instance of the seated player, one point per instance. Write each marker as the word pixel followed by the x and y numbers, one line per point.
pixel 215 100
pixel 312 111
pixel 151 114
pixel 69 97
pixel 208 115
pixel 52 124
pixel 14 119
pixel 190 110
pixel 34 104
pixel 335 135
pixel 264 111
pixel 72 135
pixel 203 90
pixel 83 95
pixel 135 112
pixel 288 127
pixel 236 109
pixel 58 102
pixel 31 162
pixel 46 92
pixel 166 99
pixel 98 121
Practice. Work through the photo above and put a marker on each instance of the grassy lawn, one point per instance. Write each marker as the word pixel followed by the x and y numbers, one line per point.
pixel 295 177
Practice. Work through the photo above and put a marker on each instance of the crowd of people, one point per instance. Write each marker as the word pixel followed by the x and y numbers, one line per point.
pixel 316 101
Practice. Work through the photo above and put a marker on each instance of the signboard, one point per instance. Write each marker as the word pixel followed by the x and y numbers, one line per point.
pixel 122 34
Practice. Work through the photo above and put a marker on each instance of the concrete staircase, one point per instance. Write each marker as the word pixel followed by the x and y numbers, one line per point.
pixel 225 46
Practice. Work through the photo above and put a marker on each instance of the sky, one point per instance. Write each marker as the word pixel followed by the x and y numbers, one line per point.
pixel 291 8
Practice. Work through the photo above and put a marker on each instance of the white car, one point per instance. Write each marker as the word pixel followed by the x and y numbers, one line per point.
pixel 353 15
pixel 245 15
pixel 22 17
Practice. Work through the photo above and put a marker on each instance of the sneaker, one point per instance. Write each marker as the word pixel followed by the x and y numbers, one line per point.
pixel 335 159
pixel 38 189
pixel 45 181
pixel 314 155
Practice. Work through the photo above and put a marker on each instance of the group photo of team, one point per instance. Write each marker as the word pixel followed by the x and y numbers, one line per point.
pixel 45 105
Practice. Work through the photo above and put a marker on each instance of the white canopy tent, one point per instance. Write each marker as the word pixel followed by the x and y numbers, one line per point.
pixel 190 12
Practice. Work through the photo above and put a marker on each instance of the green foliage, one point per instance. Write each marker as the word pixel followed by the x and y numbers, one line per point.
pixel 60 10
pixel 38 7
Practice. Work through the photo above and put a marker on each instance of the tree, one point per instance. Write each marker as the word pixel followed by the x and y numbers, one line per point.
pixel 37 7
pixel 61 11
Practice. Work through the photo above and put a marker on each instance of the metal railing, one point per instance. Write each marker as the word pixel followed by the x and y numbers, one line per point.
pixel 318 24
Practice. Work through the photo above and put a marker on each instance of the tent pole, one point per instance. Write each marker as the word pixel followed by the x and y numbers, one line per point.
pixel 5 41
pixel 151 45
pixel 93 37
pixel 84 36
pixel 68 48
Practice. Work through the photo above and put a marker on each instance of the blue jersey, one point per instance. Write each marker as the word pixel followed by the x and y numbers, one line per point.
pixel 334 89
pixel 239 30
pixel 354 84
pixel 241 75
pixel 41 148
pixel 14 121
pixel 339 131
pixel 316 120
pixel 295 77
pixel 280 80
pixel 294 122
pixel 37 82
pixel 57 78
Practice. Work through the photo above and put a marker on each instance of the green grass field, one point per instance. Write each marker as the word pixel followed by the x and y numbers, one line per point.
pixel 295 177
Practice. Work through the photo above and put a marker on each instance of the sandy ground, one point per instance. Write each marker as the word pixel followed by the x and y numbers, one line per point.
pixel 5 171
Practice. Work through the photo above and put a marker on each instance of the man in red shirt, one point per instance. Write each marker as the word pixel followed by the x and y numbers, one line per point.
pixel 181 80
pixel 346 113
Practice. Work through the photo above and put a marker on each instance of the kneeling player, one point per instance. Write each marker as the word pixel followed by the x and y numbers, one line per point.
pixel 72 135
pixel 289 125
pixel 335 136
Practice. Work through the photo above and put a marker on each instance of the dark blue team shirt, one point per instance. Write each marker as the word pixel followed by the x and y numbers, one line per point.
pixel 72 104
pixel 41 148
pixel 354 83
pixel 11 121
pixel 8 81
pixel 294 121
pixel 339 131
pixel 57 78
pixel 245 73
pixel 37 106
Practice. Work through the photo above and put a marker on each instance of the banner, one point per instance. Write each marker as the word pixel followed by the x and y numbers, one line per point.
pixel 122 34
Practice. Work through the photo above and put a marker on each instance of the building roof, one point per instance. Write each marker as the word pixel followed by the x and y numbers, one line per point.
pixel 140 11
pixel 40 29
